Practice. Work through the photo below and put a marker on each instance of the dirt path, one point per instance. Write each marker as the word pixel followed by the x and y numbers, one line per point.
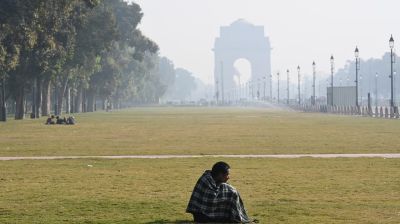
pixel 294 156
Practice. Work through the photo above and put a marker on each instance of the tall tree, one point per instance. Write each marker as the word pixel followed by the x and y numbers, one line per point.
pixel 90 48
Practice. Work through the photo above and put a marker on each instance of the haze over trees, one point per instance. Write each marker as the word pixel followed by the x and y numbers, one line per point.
pixel 180 84
pixel 66 55
pixel 368 82
pixel 378 87
pixel 183 85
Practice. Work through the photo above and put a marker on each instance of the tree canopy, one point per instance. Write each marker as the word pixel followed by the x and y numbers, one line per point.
pixel 67 55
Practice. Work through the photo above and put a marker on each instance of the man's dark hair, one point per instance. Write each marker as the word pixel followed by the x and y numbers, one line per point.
pixel 220 168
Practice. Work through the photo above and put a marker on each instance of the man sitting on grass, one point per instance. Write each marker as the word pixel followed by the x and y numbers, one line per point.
pixel 213 200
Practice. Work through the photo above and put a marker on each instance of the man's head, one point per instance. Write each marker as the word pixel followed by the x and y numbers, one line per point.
pixel 220 172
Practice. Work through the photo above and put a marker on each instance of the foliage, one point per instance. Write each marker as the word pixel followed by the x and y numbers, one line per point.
pixel 183 86
pixel 92 47
pixel 368 82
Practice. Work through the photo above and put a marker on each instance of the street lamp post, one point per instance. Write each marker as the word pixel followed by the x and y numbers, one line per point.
pixel 327 85
pixel 278 86
pixel 252 89
pixel 265 79
pixel 231 96
pixel 217 90
pixel 332 68
pixel 391 45
pixel 314 74
pixel 394 80
pixel 298 82
pixel 222 83
pixel 239 88
pixel 237 91
pixel 241 91
pixel 361 91
pixel 245 90
pixel 270 87
pixel 248 90
pixel 288 87
pixel 376 89
pixel 356 54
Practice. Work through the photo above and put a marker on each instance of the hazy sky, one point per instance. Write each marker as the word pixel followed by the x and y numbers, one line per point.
pixel 299 31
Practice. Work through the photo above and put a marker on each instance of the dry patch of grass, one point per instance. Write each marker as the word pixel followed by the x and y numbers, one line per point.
pixel 156 191
pixel 201 131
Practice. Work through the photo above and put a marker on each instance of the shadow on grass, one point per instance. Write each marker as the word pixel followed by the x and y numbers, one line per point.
pixel 169 221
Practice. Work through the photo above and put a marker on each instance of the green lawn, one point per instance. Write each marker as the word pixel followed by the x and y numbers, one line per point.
pixel 156 191
pixel 201 131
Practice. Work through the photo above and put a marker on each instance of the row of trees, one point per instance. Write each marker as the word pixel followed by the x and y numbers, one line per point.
pixel 179 83
pixel 66 55
pixel 374 76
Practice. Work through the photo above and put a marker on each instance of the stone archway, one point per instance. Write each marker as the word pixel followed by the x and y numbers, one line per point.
pixel 241 40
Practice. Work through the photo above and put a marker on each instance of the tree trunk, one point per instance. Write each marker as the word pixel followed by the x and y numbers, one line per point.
pixel 68 100
pixel 46 97
pixel 72 109
pixel 38 97
pixel 33 100
pixel 3 108
pixel 60 95
pixel 60 100
pixel 104 105
pixel 78 101
pixel 19 103
pixel 91 100
pixel 116 104
pixel 84 101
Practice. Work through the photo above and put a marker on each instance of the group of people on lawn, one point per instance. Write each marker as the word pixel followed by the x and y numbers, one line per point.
pixel 58 120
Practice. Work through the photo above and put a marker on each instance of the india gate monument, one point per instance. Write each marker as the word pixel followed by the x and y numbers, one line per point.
pixel 240 40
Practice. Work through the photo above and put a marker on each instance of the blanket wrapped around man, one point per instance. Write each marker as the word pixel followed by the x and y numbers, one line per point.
pixel 221 202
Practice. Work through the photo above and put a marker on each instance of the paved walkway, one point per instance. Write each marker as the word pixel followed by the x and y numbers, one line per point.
pixel 294 156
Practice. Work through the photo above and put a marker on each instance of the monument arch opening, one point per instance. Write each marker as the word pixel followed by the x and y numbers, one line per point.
pixel 242 71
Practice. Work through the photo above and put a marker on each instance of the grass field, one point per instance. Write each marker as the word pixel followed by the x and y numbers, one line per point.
pixel 200 131
pixel 156 191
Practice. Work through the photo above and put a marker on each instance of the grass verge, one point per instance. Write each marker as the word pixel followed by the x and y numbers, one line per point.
pixel 156 191
pixel 143 131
